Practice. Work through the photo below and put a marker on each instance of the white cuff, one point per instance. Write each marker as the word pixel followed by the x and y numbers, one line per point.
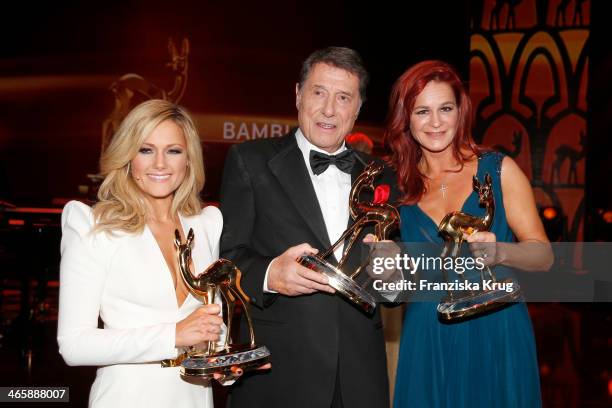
pixel 265 282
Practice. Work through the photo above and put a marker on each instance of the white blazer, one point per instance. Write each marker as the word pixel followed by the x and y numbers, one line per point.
pixel 124 280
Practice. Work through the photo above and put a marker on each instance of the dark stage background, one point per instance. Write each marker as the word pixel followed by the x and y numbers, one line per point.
pixel 58 61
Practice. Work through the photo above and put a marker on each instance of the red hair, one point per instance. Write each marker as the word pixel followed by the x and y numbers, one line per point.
pixel 406 153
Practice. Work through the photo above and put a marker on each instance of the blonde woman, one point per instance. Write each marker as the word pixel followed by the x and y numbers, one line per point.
pixel 118 263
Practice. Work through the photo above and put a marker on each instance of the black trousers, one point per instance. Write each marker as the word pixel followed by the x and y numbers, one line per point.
pixel 337 399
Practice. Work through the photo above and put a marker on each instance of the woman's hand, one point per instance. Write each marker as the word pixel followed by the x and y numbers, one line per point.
pixel 483 244
pixel 237 373
pixel 389 250
pixel 203 324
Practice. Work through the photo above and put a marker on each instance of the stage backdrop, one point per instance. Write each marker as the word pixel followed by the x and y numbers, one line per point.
pixel 528 82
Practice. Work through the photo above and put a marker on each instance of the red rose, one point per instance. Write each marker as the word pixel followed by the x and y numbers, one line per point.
pixel 381 193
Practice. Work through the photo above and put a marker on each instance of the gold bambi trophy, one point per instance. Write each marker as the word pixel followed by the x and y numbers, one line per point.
pixel 384 217
pixel 221 277
pixel 451 228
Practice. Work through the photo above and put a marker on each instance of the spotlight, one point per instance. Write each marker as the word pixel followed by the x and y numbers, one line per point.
pixel 602 224
pixel 549 213
pixel 554 222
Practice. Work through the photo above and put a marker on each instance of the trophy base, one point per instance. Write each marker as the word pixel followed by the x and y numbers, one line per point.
pixel 340 281
pixel 222 362
pixel 479 302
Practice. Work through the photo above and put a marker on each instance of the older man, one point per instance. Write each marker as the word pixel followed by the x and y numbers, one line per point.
pixel 284 197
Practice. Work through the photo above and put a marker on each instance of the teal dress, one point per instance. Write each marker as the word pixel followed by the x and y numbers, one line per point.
pixel 488 361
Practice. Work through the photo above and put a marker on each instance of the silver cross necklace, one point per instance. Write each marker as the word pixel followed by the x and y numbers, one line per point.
pixel 442 189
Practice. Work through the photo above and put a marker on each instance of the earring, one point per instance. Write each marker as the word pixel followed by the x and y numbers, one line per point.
pixel 127 172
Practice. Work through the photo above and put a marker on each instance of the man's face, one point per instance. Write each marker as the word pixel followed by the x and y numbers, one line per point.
pixel 328 104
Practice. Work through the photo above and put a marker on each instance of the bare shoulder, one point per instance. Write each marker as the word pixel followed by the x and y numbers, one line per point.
pixel 519 202
pixel 511 173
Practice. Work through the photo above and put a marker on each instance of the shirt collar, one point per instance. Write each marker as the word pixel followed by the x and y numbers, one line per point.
pixel 305 146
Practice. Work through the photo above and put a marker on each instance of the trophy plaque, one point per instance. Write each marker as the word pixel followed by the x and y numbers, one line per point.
pixel 222 277
pixel 451 228
pixel 383 216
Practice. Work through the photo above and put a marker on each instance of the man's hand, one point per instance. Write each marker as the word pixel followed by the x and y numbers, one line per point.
pixel 286 276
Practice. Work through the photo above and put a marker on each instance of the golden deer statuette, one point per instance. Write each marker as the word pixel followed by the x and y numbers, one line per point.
pixel 383 216
pixel 222 277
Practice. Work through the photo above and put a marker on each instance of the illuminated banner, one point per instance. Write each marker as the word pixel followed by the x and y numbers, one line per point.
pixel 234 128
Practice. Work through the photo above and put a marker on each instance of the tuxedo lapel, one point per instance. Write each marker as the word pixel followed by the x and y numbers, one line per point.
pixel 290 170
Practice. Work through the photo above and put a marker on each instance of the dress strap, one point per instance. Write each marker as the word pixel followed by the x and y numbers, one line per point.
pixel 490 162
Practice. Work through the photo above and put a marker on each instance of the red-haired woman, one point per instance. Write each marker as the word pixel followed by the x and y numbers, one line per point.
pixel 489 360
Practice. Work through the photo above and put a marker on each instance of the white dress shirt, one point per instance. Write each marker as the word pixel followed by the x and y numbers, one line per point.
pixel 332 188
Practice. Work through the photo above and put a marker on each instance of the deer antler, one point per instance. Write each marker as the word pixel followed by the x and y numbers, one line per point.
pixel 185 47
pixel 475 183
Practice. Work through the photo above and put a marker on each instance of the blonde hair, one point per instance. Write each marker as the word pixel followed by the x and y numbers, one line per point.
pixel 121 204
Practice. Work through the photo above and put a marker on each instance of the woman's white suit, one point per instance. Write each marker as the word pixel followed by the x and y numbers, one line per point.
pixel 124 280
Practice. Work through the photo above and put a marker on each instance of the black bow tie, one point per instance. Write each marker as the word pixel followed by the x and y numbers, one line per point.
pixel 319 162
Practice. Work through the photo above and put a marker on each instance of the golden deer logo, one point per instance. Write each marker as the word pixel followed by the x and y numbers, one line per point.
pixel 129 86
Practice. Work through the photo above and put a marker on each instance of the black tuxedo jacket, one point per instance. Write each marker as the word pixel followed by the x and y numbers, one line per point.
pixel 268 205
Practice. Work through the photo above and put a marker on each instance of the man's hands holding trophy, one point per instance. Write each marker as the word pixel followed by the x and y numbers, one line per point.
pixel 288 277
pixel 312 272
